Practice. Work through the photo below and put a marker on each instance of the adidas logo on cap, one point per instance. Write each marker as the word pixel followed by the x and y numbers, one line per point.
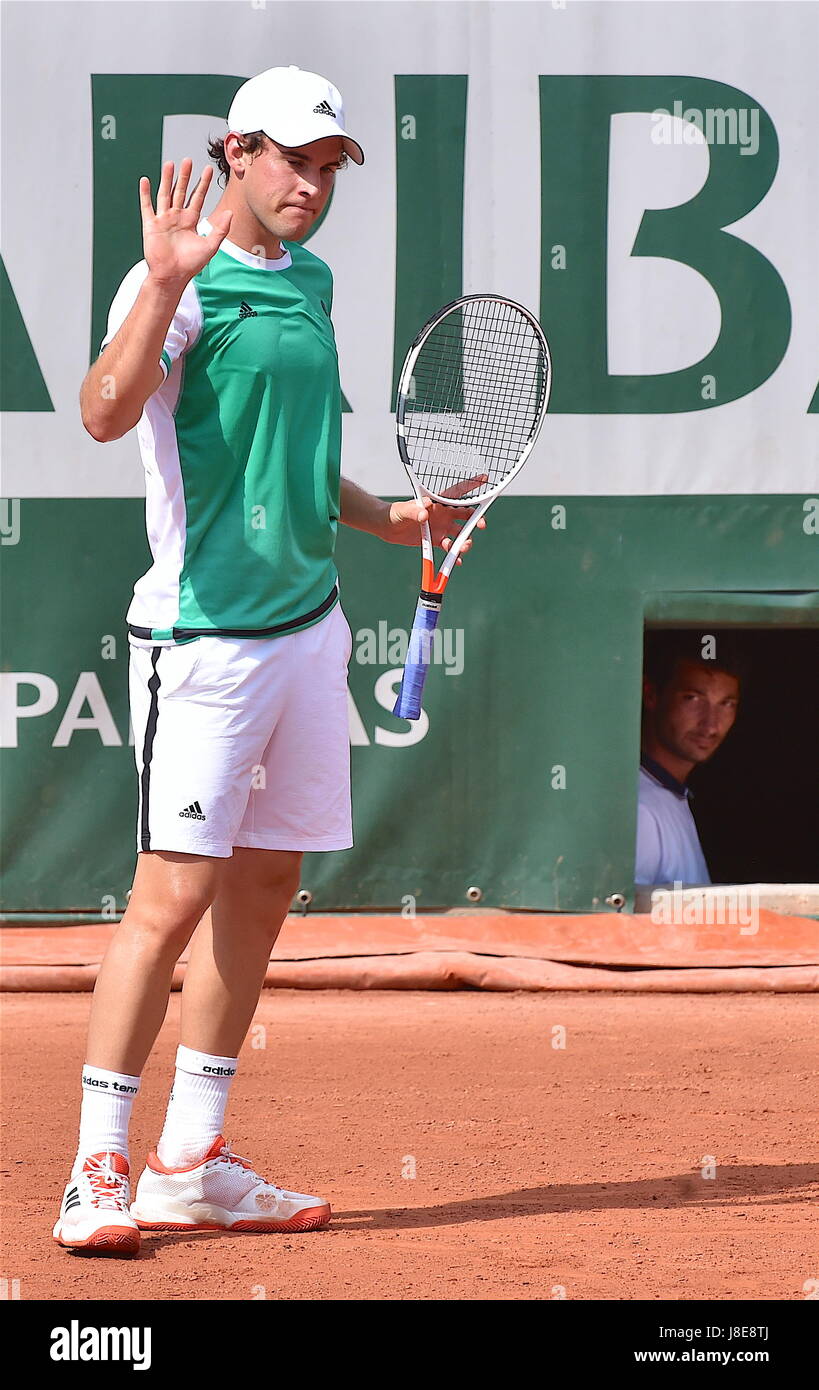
pixel 193 812
pixel 323 109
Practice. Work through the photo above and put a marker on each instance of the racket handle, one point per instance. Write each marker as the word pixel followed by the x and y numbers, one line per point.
pixel 419 655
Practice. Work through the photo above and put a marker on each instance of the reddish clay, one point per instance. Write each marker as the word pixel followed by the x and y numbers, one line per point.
pixel 541 1170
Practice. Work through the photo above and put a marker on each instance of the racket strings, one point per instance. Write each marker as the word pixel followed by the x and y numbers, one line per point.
pixel 475 396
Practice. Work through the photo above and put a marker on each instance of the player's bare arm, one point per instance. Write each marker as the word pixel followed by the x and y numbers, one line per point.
pixel 127 372
pixel 399 522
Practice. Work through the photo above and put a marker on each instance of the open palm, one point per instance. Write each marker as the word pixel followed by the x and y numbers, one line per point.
pixel 174 250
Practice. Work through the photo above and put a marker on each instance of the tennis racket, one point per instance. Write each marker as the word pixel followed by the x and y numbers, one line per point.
pixel 471 399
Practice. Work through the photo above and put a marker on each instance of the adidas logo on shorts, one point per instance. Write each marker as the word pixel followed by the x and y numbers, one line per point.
pixel 193 812
pixel 323 109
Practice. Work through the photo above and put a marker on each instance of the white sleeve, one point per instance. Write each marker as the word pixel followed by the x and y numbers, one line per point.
pixel 649 847
pixel 185 325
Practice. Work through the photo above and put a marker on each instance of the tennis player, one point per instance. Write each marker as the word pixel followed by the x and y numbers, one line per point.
pixel 220 350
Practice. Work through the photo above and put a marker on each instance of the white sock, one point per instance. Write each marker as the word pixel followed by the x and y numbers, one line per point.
pixel 196 1109
pixel 107 1097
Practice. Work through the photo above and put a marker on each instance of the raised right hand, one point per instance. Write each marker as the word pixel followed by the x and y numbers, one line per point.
pixel 174 250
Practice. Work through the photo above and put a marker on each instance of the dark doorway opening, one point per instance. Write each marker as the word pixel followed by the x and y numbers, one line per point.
pixel 756 801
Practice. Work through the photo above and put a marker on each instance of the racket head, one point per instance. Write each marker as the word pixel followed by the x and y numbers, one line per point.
pixel 472 394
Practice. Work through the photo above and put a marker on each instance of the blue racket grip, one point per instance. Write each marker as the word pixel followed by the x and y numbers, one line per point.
pixel 419 655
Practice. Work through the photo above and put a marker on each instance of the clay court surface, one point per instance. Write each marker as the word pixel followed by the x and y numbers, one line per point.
pixel 538 1169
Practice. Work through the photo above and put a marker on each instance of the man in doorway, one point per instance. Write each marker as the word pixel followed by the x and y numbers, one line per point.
pixel 690 701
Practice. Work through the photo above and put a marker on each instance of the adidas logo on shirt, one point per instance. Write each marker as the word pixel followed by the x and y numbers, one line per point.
pixel 245 311
pixel 193 812
pixel 323 109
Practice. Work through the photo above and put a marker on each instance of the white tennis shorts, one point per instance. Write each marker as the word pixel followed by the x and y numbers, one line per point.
pixel 244 741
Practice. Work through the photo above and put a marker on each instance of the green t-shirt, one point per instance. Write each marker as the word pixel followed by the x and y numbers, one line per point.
pixel 241 446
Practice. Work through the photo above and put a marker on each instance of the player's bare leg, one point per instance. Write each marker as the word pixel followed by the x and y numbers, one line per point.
pixel 170 893
pixel 169 896
pixel 194 1181
pixel 232 946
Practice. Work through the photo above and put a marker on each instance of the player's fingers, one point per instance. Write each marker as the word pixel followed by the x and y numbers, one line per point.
pixel 180 188
pixel 414 509
pixel 198 194
pixel 468 485
pixel 220 222
pixel 464 513
pixel 480 526
pixel 163 193
pixel 146 206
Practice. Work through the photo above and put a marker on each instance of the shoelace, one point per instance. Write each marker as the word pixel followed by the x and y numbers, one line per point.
pixel 227 1154
pixel 108 1188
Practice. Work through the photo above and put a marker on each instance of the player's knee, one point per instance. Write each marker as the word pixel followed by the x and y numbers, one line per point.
pixel 272 873
pixel 170 932
pixel 169 922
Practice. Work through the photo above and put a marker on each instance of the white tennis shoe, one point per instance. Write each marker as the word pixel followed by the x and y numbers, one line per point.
pixel 94 1215
pixel 220 1192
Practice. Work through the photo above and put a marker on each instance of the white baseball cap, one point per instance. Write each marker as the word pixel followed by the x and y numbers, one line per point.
pixel 293 107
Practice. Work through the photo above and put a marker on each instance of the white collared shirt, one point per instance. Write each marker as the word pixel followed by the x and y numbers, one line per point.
pixel 668 846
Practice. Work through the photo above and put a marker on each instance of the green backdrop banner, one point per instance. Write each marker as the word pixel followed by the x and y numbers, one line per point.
pixel 521 777
pixel 646 177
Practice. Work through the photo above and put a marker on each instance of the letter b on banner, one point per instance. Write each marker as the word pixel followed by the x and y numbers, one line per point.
pixel 575 115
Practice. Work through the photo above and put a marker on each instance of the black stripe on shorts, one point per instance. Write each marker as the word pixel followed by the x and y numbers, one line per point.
pixel 147 750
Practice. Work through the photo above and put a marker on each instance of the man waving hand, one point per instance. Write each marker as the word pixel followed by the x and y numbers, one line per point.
pixel 220 350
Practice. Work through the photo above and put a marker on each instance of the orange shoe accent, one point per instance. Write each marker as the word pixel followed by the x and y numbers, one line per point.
pixel 213 1152
pixel 108 1240
pixel 118 1162
pixel 311 1219
pixel 105 1175
pixel 180 1226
